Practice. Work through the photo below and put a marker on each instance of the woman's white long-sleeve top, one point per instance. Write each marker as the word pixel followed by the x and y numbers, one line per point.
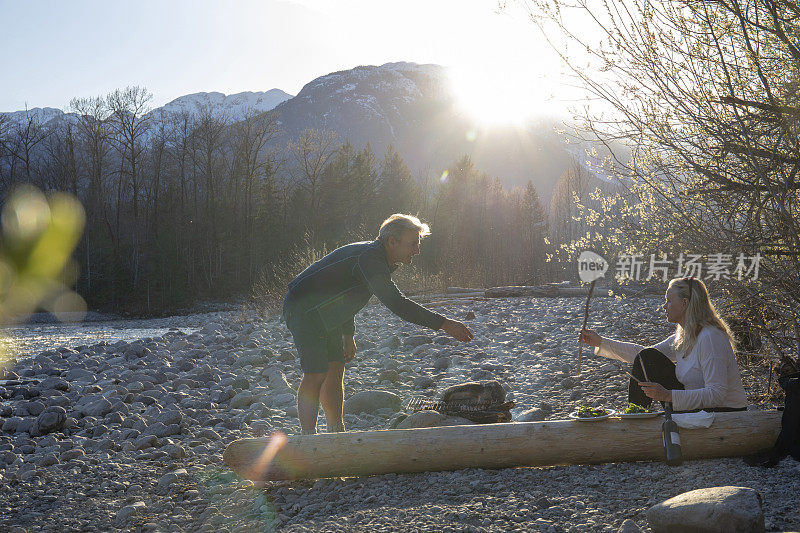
pixel 708 372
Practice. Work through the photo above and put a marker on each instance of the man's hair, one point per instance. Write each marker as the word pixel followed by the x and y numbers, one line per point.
pixel 397 224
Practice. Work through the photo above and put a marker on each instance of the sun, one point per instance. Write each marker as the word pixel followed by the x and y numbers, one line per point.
pixel 499 95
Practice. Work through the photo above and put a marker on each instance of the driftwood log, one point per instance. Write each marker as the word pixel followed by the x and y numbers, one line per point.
pixel 558 442
pixel 550 291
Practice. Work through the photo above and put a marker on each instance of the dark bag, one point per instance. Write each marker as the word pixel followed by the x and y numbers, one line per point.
pixel 788 442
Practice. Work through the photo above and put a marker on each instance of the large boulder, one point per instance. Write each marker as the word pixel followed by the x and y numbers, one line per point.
pixel 369 401
pixel 49 420
pixel 712 510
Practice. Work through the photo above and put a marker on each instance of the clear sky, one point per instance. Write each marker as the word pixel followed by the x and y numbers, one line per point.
pixel 53 50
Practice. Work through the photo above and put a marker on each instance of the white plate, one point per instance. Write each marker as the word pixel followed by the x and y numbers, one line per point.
pixel 641 415
pixel 574 416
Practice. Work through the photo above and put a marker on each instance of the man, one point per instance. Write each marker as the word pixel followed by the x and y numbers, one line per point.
pixel 323 299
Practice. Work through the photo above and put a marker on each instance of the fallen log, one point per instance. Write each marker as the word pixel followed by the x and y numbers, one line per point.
pixel 462 290
pixel 548 291
pixel 507 445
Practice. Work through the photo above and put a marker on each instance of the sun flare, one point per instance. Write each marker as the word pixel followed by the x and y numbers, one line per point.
pixel 499 96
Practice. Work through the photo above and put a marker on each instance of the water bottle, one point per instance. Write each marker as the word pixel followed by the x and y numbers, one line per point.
pixel 672 439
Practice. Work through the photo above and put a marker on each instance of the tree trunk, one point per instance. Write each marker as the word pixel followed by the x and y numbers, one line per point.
pixel 497 446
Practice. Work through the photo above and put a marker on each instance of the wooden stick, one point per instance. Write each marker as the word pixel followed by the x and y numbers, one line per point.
pixel 634 377
pixel 585 321
pixel 644 372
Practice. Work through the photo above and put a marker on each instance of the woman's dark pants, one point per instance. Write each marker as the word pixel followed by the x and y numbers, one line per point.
pixel 651 365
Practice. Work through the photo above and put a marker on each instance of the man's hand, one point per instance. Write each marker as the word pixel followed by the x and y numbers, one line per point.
pixel 457 330
pixel 349 347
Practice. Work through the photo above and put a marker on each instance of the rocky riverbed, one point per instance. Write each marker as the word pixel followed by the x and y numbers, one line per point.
pixel 129 435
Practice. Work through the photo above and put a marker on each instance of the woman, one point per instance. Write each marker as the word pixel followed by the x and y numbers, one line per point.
pixel 694 368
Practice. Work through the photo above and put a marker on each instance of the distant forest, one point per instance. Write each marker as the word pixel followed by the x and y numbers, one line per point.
pixel 192 207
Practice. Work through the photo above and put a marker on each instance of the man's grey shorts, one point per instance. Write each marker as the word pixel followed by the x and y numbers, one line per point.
pixel 315 346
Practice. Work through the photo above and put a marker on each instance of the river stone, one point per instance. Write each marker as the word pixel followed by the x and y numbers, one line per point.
pixel 392 342
pixel 7 457
pixel 48 460
pixel 277 380
pixel 369 401
pixel 25 425
pixel 60 401
pixel 145 441
pixel 629 526
pixel 423 382
pixel 389 375
pixel 81 374
pixel 442 363
pixel 413 341
pixel 532 415
pixel 97 406
pixel 172 416
pixel 68 455
pixel 175 451
pixel 55 384
pixel 714 509
pixel 242 400
pixel 284 399
pixel 49 420
pixel 209 434
pixel 31 408
pixel 167 480
pixel 128 511
pixel 159 429
pixel 428 419
pixel 10 425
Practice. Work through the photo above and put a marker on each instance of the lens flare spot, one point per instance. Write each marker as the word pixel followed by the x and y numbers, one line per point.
pixel 27 214
pixel 444 176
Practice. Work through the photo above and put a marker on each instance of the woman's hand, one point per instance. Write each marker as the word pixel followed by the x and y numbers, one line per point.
pixel 656 391
pixel 589 337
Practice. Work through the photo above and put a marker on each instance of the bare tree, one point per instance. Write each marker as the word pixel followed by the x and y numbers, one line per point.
pixel 23 143
pixel 310 153
pixel 130 125
pixel 255 166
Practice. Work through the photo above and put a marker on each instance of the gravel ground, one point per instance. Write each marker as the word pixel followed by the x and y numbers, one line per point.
pixel 133 433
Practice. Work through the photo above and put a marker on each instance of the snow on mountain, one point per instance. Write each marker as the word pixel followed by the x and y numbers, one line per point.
pixel 41 115
pixel 233 107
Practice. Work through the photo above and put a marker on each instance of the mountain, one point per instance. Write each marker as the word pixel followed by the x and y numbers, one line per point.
pixel 411 107
pixel 407 105
pixel 233 107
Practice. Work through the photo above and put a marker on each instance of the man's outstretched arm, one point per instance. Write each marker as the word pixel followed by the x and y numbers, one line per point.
pixel 378 279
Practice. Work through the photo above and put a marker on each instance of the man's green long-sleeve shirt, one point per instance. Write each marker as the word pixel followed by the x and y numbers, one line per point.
pixel 332 290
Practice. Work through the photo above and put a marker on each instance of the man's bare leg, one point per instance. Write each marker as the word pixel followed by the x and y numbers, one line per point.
pixel 332 396
pixel 308 400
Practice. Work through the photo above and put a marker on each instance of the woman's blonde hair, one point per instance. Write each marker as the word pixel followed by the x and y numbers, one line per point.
pixel 397 224
pixel 699 314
